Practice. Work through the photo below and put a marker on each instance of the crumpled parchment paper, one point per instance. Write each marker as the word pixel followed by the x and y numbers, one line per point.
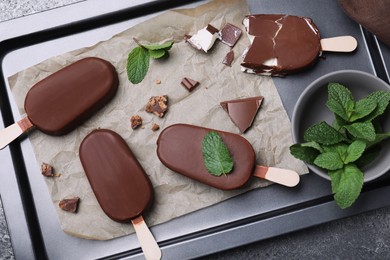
pixel 175 195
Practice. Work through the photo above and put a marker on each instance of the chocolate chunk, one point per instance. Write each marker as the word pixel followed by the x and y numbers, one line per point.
pixel 204 39
pixel 155 127
pixel 47 170
pixel 157 105
pixel 70 205
pixel 229 58
pixel 136 121
pixel 242 111
pixel 189 84
pixel 230 34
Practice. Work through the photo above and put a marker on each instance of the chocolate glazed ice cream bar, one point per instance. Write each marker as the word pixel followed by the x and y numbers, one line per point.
pixel 179 147
pixel 285 44
pixel 119 183
pixel 65 99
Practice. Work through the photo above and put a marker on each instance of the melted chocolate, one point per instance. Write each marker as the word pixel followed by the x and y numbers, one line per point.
pixel 119 182
pixel 242 111
pixel 179 147
pixel 62 101
pixel 282 44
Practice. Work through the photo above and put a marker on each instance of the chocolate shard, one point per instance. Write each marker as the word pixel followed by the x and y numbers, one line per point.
pixel 230 34
pixel 70 205
pixel 229 58
pixel 189 84
pixel 243 111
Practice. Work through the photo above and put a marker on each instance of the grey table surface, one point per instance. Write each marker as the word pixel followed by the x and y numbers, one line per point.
pixel 365 236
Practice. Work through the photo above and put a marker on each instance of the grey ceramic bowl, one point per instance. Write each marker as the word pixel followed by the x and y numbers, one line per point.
pixel 311 108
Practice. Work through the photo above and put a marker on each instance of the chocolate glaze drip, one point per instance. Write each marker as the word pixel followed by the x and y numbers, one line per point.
pixel 282 44
pixel 179 147
pixel 119 182
pixel 62 101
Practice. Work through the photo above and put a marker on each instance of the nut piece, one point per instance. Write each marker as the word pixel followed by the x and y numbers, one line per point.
pixel 157 105
pixel 47 170
pixel 136 121
pixel 155 127
pixel 70 205
pixel 158 82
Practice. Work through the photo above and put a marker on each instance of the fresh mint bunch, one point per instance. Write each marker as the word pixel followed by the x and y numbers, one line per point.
pixel 216 156
pixel 139 57
pixel 349 144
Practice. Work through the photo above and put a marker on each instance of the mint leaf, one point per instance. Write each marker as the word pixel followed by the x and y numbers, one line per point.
pixel 323 133
pixel 137 64
pixel 329 161
pixel 155 46
pixel 347 184
pixel 340 100
pixel 365 130
pixel 363 108
pixel 339 148
pixel 216 156
pixel 355 150
pixel 157 54
pixel 378 138
pixel 382 98
pixel 304 153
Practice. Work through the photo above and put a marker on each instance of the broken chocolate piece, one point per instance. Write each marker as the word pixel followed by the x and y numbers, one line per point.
pixel 157 105
pixel 242 111
pixel 189 84
pixel 47 170
pixel 280 44
pixel 229 58
pixel 70 205
pixel 230 34
pixel 204 39
pixel 155 127
pixel 136 121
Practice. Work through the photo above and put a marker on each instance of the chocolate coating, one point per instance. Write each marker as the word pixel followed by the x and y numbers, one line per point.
pixel 62 101
pixel 242 111
pixel 294 41
pixel 119 182
pixel 179 147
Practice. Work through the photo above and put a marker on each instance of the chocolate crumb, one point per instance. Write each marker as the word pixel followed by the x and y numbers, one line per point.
pixel 157 105
pixel 155 127
pixel 47 170
pixel 136 121
pixel 70 205
pixel 229 58
pixel 189 84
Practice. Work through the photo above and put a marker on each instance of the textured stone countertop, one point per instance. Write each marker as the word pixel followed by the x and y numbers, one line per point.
pixel 365 236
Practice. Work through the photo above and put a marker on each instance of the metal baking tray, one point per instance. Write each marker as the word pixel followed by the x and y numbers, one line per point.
pixel 256 215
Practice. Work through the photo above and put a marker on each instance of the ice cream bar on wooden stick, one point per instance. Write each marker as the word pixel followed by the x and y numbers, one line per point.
pixel 179 147
pixel 119 183
pixel 65 99
pixel 284 44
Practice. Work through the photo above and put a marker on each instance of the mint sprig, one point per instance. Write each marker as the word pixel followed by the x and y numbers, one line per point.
pixel 139 58
pixel 216 156
pixel 351 142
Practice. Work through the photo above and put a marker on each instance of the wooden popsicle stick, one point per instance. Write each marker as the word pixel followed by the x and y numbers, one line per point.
pixel 284 177
pixel 10 133
pixel 148 242
pixel 339 44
